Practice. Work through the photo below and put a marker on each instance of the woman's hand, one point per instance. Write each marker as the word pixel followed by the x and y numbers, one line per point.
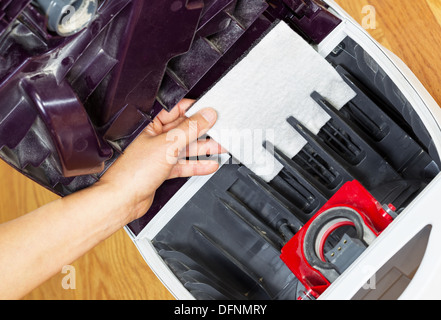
pixel 160 153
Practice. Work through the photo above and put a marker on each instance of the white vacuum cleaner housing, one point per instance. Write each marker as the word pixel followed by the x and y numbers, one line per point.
pixel 403 262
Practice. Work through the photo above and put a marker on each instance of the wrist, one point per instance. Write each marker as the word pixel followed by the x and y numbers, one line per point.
pixel 111 202
pixel 124 204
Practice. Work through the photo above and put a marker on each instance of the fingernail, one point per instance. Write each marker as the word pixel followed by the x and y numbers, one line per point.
pixel 209 114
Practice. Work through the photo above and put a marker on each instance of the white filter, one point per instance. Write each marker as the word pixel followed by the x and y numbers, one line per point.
pixel 271 83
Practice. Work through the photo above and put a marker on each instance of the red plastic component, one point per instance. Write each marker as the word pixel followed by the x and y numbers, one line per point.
pixel 352 195
pixel 392 207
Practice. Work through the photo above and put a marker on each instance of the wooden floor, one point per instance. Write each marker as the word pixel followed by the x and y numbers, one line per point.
pixel 115 269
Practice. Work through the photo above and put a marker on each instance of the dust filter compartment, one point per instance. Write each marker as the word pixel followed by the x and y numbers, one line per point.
pixel 225 242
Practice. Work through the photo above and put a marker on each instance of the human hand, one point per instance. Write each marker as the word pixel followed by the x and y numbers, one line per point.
pixel 159 154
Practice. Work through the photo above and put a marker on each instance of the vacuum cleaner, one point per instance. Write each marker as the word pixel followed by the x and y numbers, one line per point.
pixel 349 209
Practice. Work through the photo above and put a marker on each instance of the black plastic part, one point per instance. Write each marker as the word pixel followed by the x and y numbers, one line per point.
pixel 228 233
pixel 405 154
pixel 350 56
pixel 356 160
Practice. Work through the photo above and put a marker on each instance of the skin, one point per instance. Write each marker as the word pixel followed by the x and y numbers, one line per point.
pixel 37 245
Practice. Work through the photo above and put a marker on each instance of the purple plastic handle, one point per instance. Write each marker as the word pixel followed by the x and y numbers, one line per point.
pixel 77 144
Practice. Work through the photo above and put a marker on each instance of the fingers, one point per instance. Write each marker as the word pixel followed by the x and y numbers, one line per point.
pixel 170 126
pixel 191 168
pixel 189 130
pixel 202 148
pixel 177 112
pixel 166 120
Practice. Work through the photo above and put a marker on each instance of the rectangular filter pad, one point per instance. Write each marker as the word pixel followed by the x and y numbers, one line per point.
pixel 272 82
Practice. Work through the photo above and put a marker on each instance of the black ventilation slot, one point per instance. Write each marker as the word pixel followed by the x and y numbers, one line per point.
pixel 317 167
pixel 341 143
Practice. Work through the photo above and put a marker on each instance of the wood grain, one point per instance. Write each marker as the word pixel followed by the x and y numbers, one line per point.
pixel 115 269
